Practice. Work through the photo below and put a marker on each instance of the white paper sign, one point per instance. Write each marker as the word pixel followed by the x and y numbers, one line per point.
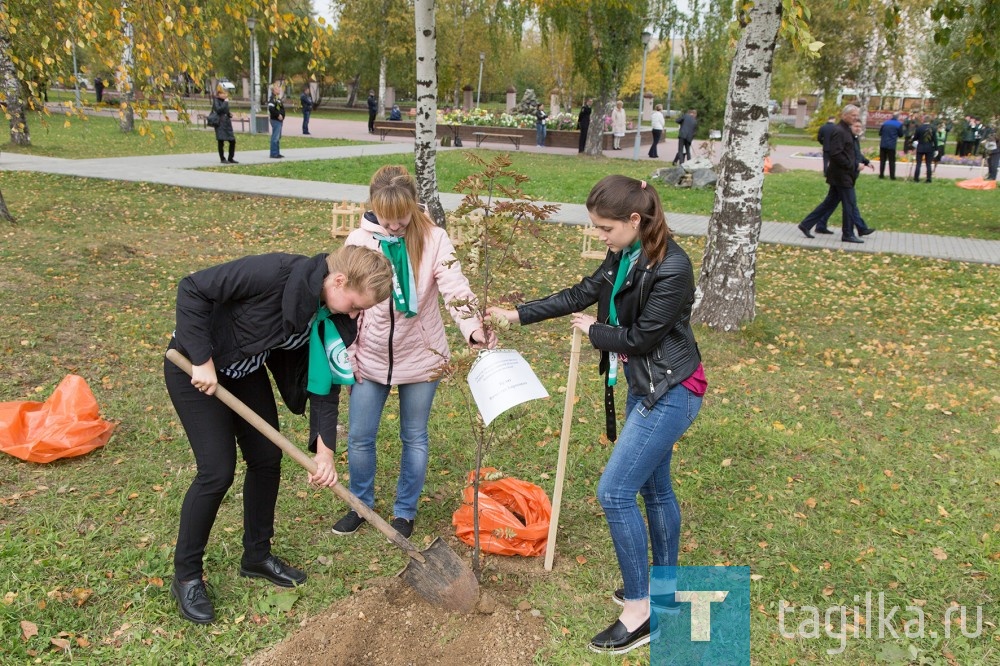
pixel 501 379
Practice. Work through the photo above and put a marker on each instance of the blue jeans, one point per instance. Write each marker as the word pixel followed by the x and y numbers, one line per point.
pixel 540 134
pixel 640 463
pixel 275 137
pixel 367 401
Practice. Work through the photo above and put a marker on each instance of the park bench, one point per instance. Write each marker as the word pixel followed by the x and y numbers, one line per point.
pixel 391 126
pixel 240 118
pixel 483 136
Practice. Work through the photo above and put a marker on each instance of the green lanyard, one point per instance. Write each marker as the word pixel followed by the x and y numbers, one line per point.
pixel 628 259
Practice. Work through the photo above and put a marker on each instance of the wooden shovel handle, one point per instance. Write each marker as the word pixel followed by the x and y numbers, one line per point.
pixel 300 457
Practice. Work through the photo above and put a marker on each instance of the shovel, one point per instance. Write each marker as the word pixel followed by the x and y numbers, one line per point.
pixel 436 573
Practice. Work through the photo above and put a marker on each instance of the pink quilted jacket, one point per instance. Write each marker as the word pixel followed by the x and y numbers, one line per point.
pixel 392 349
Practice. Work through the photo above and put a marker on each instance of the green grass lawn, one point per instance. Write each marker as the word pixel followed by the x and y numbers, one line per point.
pixel 939 208
pixel 847 444
pixel 73 137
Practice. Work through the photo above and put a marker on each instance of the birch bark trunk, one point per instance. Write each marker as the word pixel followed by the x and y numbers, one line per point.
pixel 726 289
pixel 11 91
pixel 426 121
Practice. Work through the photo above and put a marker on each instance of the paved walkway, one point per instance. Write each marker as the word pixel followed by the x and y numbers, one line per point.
pixel 181 171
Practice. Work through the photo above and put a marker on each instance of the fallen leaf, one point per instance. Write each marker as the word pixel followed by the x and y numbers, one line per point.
pixel 755 577
pixel 727 462
pixel 28 629
pixel 811 502
pixel 942 512
pixel 60 643
pixel 82 641
pixel 828 590
pixel 565 631
pixel 939 553
pixel 580 559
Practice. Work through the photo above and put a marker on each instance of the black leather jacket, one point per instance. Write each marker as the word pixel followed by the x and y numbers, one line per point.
pixel 654 317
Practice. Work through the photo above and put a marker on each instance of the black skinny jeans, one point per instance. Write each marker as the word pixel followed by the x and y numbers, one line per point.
pixel 214 432
pixel 232 149
pixel 887 156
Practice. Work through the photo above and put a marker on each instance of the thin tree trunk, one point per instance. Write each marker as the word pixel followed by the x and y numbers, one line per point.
pixel 11 89
pixel 4 211
pixel 426 121
pixel 869 65
pixel 382 65
pixel 726 287
pixel 595 135
pixel 126 114
pixel 352 95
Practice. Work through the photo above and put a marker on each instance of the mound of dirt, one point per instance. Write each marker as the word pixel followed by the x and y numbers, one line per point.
pixel 388 624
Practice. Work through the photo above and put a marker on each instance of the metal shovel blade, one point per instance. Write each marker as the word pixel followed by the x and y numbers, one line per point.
pixel 443 579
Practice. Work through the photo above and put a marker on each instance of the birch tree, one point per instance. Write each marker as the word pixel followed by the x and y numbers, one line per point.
pixel 726 290
pixel 425 166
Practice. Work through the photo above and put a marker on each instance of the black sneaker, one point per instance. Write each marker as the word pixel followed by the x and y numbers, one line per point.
pixel 403 526
pixel 349 524
pixel 661 603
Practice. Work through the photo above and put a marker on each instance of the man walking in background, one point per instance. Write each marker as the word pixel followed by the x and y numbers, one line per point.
pixel 840 176
pixel 889 134
pixel 689 125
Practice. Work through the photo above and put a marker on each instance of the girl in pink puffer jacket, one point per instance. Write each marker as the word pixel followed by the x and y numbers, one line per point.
pixel 402 341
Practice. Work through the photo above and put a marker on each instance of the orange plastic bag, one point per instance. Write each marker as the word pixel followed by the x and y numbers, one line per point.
pixel 514 515
pixel 67 424
pixel 977 184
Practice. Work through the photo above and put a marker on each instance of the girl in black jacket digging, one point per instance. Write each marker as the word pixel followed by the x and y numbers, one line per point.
pixel 292 315
pixel 644 291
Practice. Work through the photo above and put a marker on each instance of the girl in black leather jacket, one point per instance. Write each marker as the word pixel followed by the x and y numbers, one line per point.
pixel 644 291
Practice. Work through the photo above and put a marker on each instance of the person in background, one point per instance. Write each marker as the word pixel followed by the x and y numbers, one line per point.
pixel 395 114
pixel 925 137
pixel 822 136
pixel 618 125
pixel 306 100
pixel 99 89
pixel 941 127
pixel 276 112
pixel 656 122
pixel 991 149
pixel 402 343
pixel 540 117
pixel 689 125
pixel 237 322
pixel 372 111
pixel 889 134
pixel 583 123
pixel 224 130
pixel 644 293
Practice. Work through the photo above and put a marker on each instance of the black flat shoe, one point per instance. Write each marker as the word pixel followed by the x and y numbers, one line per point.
pixel 616 639
pixel 192 600
pixel 805 231
pixel 851 239
pixel 822 231
pixel 275 570
pixel 867 232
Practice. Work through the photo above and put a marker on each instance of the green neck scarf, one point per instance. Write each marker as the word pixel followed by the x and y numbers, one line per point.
pixel 328 360
pixel 628 259
pixel 404 293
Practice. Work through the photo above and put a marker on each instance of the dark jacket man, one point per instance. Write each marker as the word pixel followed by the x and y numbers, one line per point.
pixel 889 135
pixel 583 123
pixel 823 136
pixel 925 137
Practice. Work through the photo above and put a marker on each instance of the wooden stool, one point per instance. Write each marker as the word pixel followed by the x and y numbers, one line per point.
pixel 346 218
pixel 588 251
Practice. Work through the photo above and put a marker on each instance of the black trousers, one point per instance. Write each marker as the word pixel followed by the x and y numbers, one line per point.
pixel 214 432
pixel 926 159
pixel 232 149
pixel 656 140
pixel 583 137
pixel 887 155
pixel 371 121
pixel 683 151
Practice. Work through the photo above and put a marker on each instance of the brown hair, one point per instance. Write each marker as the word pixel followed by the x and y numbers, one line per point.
pixel 367 271
pixel 392 193
pixel 617 197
